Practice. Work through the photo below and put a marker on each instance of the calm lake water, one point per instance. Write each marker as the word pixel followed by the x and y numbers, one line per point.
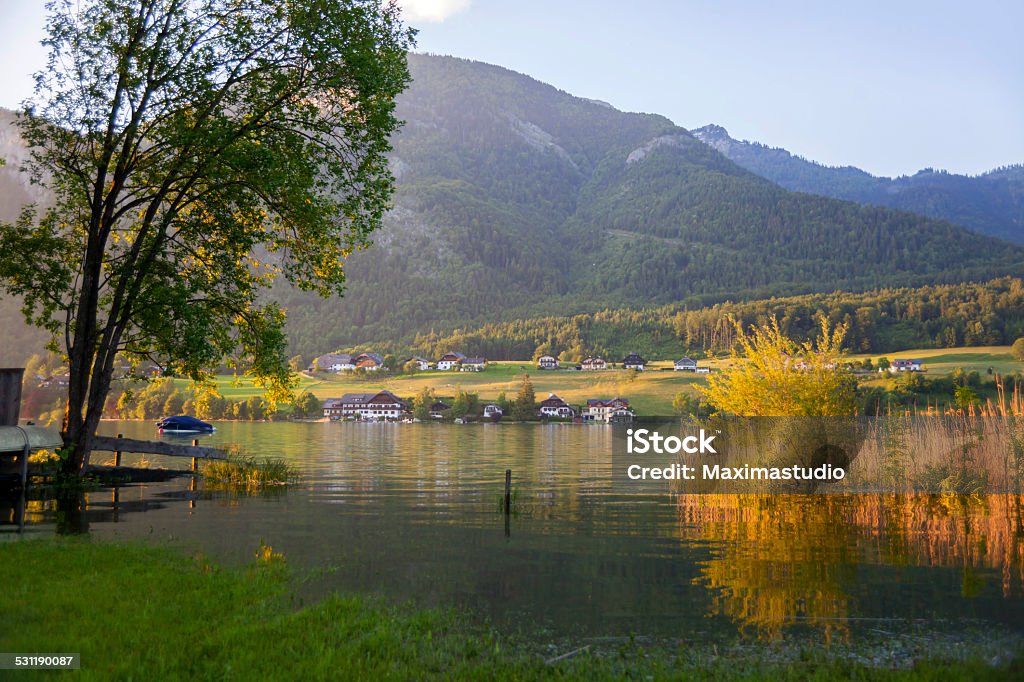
pixel 412 512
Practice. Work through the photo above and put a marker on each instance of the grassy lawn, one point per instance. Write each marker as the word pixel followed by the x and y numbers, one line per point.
pixel 650 392
pixel 145 613
pixel 945 360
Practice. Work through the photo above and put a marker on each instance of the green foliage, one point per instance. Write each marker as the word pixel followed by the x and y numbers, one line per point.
pixel 772 375
pixel 308 406
pixel 190 163
pixel 686 404
pixel 965 396
pixel 525 405
pixel 887 320
pixel 1018 349
pixel 422 402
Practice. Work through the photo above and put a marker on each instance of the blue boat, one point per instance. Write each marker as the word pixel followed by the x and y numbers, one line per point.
pixel 183 424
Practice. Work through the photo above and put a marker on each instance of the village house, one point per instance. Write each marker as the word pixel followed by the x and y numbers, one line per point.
pixel 611 411
pixel 905 365
pixel 547 362
pixel 553 406
pixel 438 409
pixel 450 361
pixel 634 361
pixel 332 362
pixel 803 365
pixel 685 365
pixel 365 406
pixel 493 411
pixel 473 365
pixel 368 361
pixel 422 364
pixel 594 363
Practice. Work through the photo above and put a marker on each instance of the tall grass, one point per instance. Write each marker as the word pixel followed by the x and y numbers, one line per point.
pixel 965 450
pixel 248 474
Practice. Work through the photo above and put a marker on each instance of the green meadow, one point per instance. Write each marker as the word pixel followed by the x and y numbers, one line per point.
pixel 945 360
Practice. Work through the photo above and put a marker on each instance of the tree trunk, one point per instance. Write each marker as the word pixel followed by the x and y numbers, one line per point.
pixel 78 432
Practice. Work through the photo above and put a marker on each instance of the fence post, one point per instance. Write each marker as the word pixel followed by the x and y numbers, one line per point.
pixel 117 453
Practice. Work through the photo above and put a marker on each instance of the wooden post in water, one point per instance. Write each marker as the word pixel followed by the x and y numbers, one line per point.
pixel 10 395
pixel 508 491
pixel 192 484
pixel 117 454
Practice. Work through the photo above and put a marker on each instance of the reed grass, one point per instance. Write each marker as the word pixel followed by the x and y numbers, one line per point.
pixel 961 450
pixel 248 474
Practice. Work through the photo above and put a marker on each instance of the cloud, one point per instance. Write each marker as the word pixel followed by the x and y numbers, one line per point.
pixel 434 11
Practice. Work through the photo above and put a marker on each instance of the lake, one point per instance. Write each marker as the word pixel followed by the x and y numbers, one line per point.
pixel 412 512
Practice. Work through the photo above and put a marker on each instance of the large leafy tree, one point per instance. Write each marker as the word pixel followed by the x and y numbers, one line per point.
pixel 196 150
pixel 771 375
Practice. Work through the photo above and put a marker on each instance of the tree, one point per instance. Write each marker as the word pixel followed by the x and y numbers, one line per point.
pixel 1018 349
pixel 460 406
pixel 772 375
pixel 525 405
pixel 197 150
pixel 965 397
pixel 308 405
pixel 686 404
pixel 421 404
pixel 296 363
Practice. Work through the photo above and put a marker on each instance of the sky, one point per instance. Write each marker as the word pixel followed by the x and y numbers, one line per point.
pixel 890 87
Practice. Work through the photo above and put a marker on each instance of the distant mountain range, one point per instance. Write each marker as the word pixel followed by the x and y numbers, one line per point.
pixel 516 200
pixel 991 203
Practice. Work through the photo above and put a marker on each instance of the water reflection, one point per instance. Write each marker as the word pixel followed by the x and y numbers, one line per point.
pixel 788 560
pixel 413 512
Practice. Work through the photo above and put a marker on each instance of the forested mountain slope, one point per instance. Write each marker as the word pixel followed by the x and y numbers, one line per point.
pixel 991 203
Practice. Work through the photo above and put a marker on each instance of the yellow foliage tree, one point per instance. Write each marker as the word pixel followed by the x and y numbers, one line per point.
pixel 773 376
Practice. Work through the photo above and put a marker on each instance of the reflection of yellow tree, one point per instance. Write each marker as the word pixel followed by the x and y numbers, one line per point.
pixel 785 559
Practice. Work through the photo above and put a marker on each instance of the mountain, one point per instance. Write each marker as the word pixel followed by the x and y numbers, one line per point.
pixel 991 203
pixel 515 199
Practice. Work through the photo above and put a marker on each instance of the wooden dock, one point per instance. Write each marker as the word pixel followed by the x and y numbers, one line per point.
pixel 156 447
pixel 19 442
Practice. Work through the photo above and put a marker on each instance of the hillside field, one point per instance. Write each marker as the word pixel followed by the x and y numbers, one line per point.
pixel 650 392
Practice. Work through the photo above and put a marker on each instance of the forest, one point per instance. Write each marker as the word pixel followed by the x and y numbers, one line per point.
pixel 880 321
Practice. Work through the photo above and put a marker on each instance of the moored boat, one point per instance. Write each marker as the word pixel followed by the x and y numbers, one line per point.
pixel 184 424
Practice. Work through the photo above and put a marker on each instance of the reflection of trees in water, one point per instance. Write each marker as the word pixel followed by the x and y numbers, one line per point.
pixel 783 559
pixel 787 560
pixel 978 531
